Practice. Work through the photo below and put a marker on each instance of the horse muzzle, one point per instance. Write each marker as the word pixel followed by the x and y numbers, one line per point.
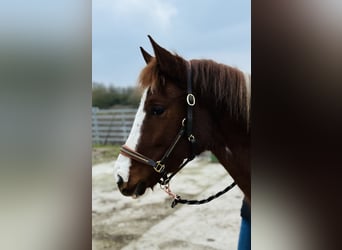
pixel 134 191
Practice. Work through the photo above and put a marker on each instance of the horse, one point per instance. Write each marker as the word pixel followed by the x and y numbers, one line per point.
pixel 187 107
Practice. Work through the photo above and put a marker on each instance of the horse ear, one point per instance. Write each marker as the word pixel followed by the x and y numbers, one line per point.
pixel 146 55
pixel 172 65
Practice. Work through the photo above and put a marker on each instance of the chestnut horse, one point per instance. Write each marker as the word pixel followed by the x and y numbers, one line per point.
pixel 187 107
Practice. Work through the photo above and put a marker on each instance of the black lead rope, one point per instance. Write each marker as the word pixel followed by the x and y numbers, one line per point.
pixel 199 202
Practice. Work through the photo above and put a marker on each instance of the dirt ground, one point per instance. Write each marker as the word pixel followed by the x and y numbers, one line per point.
pixel 150 223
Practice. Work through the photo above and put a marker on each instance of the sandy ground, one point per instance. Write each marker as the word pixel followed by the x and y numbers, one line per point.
pixel 150 223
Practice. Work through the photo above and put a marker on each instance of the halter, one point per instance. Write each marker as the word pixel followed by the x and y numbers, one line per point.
pixel 186 129
pixel 159 166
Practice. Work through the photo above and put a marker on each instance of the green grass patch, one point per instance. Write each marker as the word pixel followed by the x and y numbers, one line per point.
pixel 104 153
pixel 213 158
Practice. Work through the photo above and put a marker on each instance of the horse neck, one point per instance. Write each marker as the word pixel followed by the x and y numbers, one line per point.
pixel 231 146
pixel 225 133
pixel 223 95
pixel 220 130
pixel 225 139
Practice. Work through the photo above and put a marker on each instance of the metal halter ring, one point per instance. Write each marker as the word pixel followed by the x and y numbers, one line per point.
pixel 191 138
pixel 190 99
pixel 183 122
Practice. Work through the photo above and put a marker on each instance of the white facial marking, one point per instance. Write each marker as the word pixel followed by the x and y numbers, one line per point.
pixel 123 163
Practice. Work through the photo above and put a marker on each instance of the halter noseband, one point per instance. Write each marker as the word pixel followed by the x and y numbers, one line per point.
pixel 159 166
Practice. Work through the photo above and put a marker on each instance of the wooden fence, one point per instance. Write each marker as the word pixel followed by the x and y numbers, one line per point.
pixel 111 126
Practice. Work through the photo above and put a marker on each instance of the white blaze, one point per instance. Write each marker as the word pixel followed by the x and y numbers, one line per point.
pixel 123 163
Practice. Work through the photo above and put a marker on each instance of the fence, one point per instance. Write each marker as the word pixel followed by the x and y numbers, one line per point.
pixel 111 126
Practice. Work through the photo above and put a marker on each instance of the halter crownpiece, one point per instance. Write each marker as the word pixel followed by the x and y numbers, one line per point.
pixel 191 101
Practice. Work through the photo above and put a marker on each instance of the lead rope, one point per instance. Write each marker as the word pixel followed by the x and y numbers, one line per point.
pixel 177 199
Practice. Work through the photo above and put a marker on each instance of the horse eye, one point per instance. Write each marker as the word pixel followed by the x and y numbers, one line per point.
pixel 157 110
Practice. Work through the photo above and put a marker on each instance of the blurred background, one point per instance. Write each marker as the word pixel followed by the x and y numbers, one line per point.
pixel 45 127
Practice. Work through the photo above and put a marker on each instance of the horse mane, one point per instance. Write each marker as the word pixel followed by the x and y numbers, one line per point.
pixel 227 86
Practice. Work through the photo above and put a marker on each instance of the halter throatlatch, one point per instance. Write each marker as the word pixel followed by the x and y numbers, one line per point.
pixel 159 166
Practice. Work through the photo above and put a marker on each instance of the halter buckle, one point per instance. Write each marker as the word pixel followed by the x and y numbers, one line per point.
pixel 159 167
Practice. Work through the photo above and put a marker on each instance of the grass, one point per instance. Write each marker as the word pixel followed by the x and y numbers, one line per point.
pixel 104 153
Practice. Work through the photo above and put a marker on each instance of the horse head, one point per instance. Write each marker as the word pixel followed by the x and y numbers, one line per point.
pixel 159 126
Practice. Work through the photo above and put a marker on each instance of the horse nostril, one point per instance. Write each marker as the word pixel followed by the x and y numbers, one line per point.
pixel 123 186
pixel 120 181
pixel 125 191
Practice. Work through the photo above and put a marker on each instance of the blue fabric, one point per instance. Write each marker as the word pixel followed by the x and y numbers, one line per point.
pixel 245 229
pixel 245 235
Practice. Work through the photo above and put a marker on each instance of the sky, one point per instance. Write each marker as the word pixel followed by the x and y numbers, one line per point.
pixel 195 29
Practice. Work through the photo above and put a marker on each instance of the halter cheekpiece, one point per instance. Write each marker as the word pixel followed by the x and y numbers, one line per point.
pixel 159 166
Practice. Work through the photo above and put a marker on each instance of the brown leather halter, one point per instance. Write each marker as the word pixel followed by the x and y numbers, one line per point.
pixel 186 129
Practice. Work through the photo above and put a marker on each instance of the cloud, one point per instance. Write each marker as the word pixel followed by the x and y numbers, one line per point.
pixel 218 30
pixel 158 13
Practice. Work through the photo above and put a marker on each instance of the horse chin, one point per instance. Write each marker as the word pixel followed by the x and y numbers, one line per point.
pixel 139 190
